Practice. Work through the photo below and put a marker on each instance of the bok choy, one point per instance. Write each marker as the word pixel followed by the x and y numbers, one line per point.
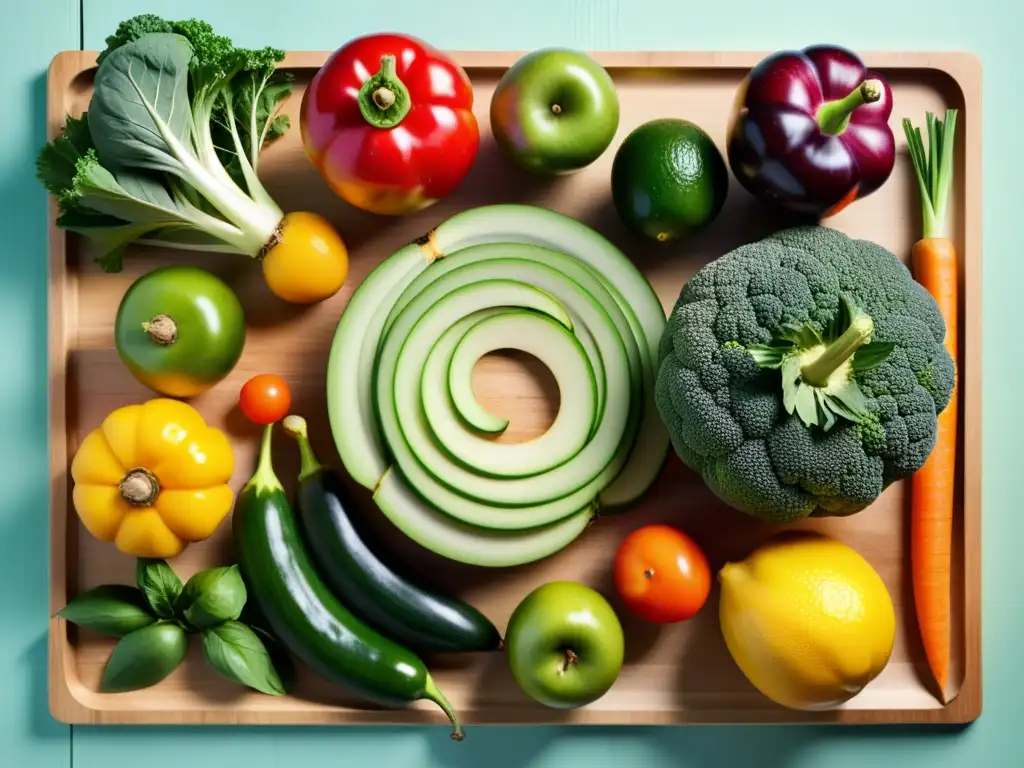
pixel 168 151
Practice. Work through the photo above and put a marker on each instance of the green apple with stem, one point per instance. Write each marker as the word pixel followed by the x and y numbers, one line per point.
pixel 565 645
pixel 555 111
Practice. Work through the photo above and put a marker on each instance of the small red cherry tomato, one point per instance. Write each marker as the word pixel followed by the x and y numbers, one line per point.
pixel 661 574
pixel 265 399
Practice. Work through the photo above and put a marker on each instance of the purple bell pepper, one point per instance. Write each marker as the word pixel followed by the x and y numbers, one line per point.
pixel 810 132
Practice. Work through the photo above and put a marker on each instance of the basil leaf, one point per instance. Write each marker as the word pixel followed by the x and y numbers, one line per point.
pixel 145 657
pixel 211 596
pixel 160 584
pixel 279 657
pixel 237 653
pixel 253 617
pixel 140 96
pixel 112 609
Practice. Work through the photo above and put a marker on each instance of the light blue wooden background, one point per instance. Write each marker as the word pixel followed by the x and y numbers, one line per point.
pixel 34 31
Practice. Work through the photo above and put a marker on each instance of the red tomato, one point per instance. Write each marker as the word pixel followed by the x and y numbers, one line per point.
pixel 661 574
pixel 265 399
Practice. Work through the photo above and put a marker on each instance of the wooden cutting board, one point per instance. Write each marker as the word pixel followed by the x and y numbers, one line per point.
pixel 677 674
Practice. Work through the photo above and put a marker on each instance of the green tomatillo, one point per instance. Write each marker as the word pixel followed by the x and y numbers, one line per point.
pixel 179 330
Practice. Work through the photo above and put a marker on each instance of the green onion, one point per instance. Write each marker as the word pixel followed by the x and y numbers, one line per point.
pixel 934 170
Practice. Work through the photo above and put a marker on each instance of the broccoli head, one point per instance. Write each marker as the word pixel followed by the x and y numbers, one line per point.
pixel 802 374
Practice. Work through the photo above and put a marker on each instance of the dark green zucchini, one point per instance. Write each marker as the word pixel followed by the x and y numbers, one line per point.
pixel 303 612
pixel 346 555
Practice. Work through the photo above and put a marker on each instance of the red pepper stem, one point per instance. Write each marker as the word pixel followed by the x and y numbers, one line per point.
pixel 834 116
pixel 383 99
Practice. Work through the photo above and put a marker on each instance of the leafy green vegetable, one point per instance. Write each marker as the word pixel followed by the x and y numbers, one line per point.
pixel 238 653
pixel 155 620
pixel 160 584
pixel 280 658
pixel 111 609
pixel 167 153
pixel 145 657
pixel 132 29
pixel 212 596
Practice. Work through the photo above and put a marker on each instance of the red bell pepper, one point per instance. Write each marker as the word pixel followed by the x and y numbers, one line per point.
pixel 388 122
pixel 810 133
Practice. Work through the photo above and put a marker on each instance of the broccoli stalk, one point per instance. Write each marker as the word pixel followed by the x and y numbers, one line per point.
pixel 818 373
pixel 819 366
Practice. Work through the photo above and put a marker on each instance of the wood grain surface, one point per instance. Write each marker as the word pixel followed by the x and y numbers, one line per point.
pixel 678 674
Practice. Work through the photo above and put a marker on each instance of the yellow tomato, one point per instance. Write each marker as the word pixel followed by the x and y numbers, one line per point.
pixel 309 263
pixel 152 478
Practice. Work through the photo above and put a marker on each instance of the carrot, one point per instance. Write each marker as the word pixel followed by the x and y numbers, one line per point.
pixel 934 264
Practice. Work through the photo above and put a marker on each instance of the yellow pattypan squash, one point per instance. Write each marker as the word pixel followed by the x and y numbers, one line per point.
pixel 152 478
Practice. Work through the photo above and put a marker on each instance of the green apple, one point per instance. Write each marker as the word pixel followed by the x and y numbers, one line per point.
pixel 565 645
pixel 555 111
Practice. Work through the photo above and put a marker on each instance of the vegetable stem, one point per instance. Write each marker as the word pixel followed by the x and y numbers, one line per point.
pixel 433 693
pixel 139 487
pixel 817 372
pixel 252 181
pixel 296 427
pixel 255 137
pixel 202 137
pixel 834 116
pixel 162 330
pixel 230 202
pixel 384 100
pixel 263 478
pixel 933 170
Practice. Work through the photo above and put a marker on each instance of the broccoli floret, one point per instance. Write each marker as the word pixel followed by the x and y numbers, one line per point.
pixel 724 404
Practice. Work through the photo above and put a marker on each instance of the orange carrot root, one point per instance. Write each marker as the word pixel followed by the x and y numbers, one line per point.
pixel 933 486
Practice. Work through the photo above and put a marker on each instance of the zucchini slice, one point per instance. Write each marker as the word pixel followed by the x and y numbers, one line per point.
pixel 459 292
pixel 456 541
pixel 460 393
pixel 517 223
pixel 350 406
pixel 406 421
pixel 530 332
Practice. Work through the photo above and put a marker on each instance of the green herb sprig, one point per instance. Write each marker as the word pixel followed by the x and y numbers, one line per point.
pixel 155 619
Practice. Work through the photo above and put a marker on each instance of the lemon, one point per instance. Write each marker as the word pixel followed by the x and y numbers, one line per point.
pixel 807 620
